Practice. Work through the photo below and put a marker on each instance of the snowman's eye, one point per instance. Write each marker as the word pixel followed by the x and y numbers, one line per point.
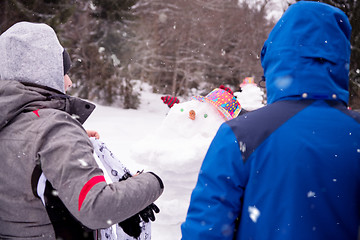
pixel 181 110
pixel 205 115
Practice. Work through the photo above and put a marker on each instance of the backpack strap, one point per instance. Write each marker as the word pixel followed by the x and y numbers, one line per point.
pixel 65 225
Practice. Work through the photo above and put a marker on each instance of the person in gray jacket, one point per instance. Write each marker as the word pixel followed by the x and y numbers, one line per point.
pixel 41 133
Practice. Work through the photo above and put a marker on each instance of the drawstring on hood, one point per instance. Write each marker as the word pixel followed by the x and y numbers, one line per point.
pixel 31 52
pixel 307 54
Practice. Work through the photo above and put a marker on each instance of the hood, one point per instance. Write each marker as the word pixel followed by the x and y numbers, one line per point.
pixel 307 54
pixel 16 98
pixel 31 52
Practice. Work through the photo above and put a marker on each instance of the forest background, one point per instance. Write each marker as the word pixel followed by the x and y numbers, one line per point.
pixel 176 46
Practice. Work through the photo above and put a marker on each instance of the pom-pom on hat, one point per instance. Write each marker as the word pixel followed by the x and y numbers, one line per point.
pixel 226 103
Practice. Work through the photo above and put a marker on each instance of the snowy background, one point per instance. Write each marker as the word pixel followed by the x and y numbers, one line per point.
pixel 165 141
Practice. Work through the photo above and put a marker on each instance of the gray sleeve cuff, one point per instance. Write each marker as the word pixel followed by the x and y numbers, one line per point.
pixel 159 179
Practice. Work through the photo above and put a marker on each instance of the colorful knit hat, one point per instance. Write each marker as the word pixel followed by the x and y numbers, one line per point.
pixel 226 103
pixel 248 80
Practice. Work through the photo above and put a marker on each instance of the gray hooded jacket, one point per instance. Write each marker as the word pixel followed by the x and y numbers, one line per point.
pixel 40 126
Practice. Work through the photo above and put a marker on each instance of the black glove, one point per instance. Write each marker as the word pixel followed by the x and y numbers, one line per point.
pixel 131 226
pixel 148 213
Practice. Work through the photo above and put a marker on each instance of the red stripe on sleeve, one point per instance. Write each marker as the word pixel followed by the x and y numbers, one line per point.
pixel 88 185
pixel 36 112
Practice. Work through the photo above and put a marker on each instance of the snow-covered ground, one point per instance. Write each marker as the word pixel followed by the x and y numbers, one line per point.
pixel 157 139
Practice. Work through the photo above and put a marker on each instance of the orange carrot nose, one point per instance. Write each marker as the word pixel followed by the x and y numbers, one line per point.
pixel 192 114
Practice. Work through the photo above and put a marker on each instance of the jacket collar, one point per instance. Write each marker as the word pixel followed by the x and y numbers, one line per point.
pixel 16 97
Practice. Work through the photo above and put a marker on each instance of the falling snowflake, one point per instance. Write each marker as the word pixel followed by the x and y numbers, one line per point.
pixel 83 163
pixel 223 52
pixel 311 194
pixel 242 146
pixel 74 116
pixel 254 213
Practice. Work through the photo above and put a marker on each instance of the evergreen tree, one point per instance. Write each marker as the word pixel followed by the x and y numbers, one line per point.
pixel 101 45
pixel 52 12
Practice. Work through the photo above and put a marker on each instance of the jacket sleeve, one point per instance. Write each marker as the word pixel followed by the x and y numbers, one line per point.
pixel 66 156
pixel 215 201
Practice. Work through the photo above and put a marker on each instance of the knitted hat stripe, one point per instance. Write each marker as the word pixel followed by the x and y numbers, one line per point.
pixel 171 101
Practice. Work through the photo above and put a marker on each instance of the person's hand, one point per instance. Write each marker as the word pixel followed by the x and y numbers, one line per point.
pixel 131 226
pixel 93 133
pixel 148 213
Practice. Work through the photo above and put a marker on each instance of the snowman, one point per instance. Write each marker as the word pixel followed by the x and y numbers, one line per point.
pixel 250 96
pixel 176 151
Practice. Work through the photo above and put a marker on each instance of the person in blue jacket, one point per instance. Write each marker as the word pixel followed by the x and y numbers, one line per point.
pixel 289 170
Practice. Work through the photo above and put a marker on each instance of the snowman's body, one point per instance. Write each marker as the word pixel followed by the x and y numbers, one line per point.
pixel 176 153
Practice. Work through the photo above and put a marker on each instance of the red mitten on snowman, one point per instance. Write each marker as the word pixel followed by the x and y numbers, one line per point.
pixel 170 100
pixel 226 89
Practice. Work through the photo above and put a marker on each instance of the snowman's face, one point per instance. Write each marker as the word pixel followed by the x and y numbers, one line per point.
pixel 192 118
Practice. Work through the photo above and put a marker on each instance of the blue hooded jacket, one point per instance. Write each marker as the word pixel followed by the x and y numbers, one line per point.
pixel 289 170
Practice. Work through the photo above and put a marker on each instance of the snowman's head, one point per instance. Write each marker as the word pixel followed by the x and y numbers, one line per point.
pixel 201 116
pixel 192 119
